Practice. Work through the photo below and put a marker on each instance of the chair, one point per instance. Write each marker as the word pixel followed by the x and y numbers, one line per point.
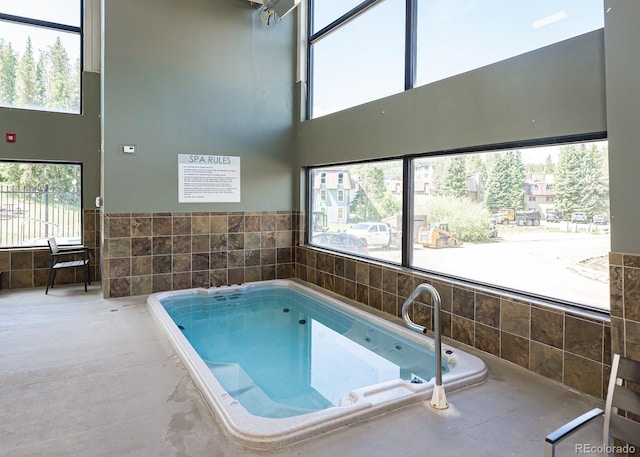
pixel 621 397
pixel 58 254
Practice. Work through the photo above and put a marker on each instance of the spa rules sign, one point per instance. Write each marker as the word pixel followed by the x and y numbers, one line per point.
pixel 206 179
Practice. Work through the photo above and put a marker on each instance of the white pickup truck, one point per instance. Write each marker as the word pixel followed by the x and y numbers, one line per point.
pixel 374 233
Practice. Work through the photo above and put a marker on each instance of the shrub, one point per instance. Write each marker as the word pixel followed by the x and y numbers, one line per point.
pixel 468 220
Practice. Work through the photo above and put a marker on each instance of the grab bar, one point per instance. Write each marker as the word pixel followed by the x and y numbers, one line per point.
pixel 438 399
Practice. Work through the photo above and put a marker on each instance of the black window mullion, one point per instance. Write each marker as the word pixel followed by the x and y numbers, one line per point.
pixel 407 213
pixel 346 17
pixel 39 23
pixel 309 88
pixel 410 47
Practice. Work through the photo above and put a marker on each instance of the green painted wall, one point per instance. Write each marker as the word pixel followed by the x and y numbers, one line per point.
pixel 622 39
pixel 62 137
pixel 557 90
pixel 195 77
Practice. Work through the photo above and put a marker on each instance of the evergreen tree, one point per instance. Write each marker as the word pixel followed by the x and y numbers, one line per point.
pixel 581 181
pixel 505 184
pixel 60 76
pixel 42 84
pixel 437 177
pixel 455 178
pixel 372 200
pixel 74 87
pixel 549 166
pixel 8 65
pixel 26 87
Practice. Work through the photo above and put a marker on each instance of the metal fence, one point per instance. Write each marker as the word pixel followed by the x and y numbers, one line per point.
pixel 29 216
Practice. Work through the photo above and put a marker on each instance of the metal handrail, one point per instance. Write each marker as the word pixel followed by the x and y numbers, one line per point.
pixel 438 400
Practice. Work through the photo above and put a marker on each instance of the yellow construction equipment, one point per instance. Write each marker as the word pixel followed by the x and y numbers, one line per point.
pixel 437 236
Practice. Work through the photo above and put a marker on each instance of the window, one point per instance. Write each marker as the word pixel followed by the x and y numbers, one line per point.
pixel 40 54
pixel 471 220
pixel 360 60
pixel 340 179
pixel 369 212
pixel 532 199
pixel 340 195
pixel 38 201
pixel 457 36
pixel 361 50
pixel 323 195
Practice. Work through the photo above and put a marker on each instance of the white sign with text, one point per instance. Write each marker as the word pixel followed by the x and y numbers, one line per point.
pixel 208 179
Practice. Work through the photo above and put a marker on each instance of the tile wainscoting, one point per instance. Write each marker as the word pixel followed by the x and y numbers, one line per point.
pixel 573 348
pixel 24 268
pixel 152 252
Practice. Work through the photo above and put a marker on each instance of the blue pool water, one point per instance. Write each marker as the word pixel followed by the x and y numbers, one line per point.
pixel 282 352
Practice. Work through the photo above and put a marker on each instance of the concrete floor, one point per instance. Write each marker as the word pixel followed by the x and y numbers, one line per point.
pixel 83 376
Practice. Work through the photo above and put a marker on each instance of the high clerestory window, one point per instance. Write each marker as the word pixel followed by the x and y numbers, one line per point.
pixel 365 50
pixel 40 55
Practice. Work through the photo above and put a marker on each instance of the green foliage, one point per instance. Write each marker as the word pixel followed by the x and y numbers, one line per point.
pixel 37 176
pixel 372 202
pixel 26 86
pixel 8 65
pixel 581 180
pixel 454 182
pixel 468 220
pixel 549 166
pixel 505 184
pixel 52 82
pixel 60 75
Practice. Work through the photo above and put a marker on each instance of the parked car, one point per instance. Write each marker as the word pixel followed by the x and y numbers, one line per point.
pixel 341 241
pixel 374 233
pixel 599 219
pixel 552 216
pixel 579 216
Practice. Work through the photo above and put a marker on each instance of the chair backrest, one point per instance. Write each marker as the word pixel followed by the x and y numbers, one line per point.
pixel 53 246
pixel 622 409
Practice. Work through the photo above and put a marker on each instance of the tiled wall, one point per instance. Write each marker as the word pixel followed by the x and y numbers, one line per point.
pixel 624 280
pixel 570 347
pixel 152 252
pixel 22 268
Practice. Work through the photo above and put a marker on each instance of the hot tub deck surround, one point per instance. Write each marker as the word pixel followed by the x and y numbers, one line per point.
pixel 81 375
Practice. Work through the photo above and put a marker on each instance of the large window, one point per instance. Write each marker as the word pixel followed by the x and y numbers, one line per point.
pixel 532 220
pixel 40 54
pixel 362 216
pixel 364 50
pixel 38 201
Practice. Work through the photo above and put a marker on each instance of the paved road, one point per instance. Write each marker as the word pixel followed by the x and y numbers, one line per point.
pixel 538 261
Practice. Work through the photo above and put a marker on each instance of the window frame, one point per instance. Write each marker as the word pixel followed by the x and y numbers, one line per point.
pixel 410 51
pixel 80 166
pixel 406 243
pixel 53 26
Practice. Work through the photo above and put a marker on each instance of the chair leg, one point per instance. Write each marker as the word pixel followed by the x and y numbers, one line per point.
pixel 50 280
pixel 86 275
